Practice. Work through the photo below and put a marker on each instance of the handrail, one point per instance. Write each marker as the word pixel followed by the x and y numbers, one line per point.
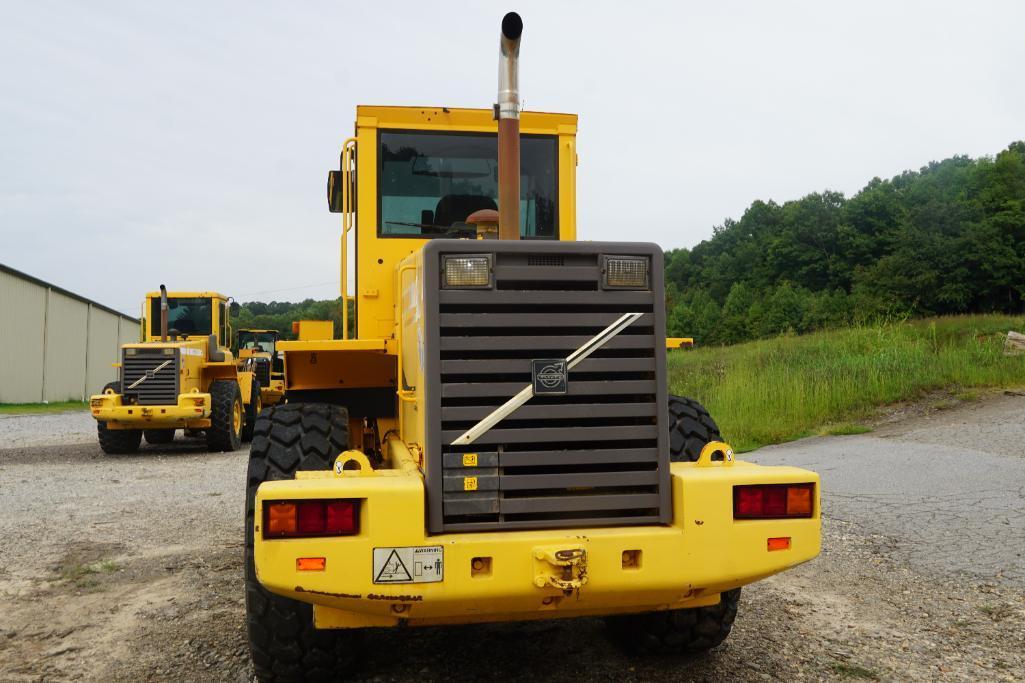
pixel 409 396
pixel 402 393
pixel 348 149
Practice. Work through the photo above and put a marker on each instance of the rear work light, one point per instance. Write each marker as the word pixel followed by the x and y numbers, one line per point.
pixel 773 501
pixel 472 271
pixel 304 518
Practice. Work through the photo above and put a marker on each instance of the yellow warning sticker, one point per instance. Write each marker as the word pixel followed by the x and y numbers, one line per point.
pixel 469 459
pixel 469 483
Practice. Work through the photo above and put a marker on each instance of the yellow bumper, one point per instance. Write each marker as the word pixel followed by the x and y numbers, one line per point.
pixel 192 411
pixel 498 576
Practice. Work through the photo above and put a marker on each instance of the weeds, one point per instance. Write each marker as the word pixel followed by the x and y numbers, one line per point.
pixel 84 575
pixel 780 389
pixel 854 671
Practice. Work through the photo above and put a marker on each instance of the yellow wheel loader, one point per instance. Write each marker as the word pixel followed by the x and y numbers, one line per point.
pixel 499 442
pixel 256 350
pixel 182 375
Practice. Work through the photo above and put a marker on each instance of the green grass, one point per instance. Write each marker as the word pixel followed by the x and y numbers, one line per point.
pixel 854 671
pixel 29 408
pixel 781 389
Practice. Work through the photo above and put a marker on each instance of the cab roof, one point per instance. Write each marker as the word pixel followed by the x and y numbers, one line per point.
pixel 455 118
pixel 187 295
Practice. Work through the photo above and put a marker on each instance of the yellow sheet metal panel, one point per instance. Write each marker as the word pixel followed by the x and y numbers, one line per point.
pixel 102 350
pixel 704 552
pixel 66 321
pixel 22 309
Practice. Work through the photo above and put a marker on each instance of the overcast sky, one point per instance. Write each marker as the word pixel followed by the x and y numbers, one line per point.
pixel 188 143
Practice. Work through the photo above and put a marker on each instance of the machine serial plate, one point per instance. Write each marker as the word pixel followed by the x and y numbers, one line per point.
pixel 415 564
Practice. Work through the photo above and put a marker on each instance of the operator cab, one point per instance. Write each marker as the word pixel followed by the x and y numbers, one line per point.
pixel 189 314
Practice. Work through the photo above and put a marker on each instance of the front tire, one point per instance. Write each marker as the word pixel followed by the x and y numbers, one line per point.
pixel 226 416
pixel 117 441
pixel 677 631
pixel 252 410
pixel 282 640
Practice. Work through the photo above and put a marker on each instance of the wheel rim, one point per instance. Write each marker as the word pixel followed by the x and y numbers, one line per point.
pixel 236 417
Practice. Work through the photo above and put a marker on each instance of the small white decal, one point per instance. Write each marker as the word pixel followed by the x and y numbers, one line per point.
pixel 416 564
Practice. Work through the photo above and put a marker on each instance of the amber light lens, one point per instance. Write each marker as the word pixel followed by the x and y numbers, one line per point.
pixel 304 518
pixel 773 501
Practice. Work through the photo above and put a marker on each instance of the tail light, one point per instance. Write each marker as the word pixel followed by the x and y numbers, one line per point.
pixel 303 518
pixel 773 501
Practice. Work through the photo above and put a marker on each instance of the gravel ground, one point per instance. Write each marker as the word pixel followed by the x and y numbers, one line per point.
pixel 129 568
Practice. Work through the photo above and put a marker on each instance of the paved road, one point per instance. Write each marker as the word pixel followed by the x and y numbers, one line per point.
pixel 947 490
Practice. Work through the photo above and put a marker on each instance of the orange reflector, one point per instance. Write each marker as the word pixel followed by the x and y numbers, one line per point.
pixel 281 519
pixel 798 501
pixel 781 543
pixel 310 564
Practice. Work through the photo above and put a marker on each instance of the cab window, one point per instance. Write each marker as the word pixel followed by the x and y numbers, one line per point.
pixel 428 183
pixel 186 315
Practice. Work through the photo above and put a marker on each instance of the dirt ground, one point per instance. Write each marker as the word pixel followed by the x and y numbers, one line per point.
pixel 129 568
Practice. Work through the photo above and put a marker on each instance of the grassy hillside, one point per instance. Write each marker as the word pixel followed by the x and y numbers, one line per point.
pixel 779 389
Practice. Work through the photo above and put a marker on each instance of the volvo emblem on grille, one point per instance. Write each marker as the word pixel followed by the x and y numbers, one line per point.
pixel 550 377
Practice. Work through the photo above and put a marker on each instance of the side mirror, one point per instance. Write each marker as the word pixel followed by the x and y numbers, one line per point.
pixel 334 191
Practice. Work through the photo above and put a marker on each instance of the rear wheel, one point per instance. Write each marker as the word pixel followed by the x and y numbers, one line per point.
pixel 282 640
pixel 226 416
pixel 117 441
pixel 252 410
pixel 690 428
pixel 681 630
pixel 158 437
pixel 677 631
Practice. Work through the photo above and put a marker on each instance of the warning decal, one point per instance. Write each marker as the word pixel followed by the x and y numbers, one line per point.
pixel 416 564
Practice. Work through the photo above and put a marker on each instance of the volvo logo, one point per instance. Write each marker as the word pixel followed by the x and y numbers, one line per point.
pixel 550 377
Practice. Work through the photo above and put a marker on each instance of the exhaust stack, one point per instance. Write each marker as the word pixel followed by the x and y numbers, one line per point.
pixel 508 113
pixel 163 313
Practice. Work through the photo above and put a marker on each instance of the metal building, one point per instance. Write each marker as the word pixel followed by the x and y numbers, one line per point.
pixel 55 345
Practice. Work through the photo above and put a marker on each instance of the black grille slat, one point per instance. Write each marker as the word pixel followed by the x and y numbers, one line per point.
pixel 567 343
pixel 594 456
pixel 160 387
pixel 589 411
pixel 511 322
pixel 579 388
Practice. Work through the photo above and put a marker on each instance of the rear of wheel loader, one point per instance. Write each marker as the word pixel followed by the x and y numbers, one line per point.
pixel 499 442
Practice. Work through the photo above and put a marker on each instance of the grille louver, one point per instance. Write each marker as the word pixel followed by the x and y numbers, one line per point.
pixel 592 457
pixel 160 386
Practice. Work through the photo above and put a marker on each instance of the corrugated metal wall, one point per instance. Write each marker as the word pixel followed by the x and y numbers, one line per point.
pixel 54 345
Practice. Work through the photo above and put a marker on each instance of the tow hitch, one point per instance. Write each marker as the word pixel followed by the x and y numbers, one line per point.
pixel 562 568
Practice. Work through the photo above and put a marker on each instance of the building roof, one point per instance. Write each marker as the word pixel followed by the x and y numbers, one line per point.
pixel 65 292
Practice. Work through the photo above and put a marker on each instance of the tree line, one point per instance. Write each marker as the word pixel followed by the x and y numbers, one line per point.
pixel 948 238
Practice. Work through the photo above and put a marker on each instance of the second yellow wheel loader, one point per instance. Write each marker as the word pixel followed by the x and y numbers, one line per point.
pixel 181 375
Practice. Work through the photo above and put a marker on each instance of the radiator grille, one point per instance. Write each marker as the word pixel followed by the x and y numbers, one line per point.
pixel 262 371
pixel 593 456
pixel 160 387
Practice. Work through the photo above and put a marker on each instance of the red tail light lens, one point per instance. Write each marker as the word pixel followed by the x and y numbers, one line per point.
pixel 773 501
pixel 303 518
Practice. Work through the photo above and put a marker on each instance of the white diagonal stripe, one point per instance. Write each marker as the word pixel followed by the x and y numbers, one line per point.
pixel 503 411
pixel 155 371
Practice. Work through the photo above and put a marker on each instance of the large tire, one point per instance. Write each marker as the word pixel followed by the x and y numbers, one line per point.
pixel 117 441
pixel 677 631
pixel 282 640
pixel 252 410
pixel 681 630
pixel 690 428
pixel 226 416
pixel 158 437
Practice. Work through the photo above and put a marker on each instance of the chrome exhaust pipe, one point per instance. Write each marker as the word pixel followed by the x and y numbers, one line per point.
pixel 163 313
pixel 507 111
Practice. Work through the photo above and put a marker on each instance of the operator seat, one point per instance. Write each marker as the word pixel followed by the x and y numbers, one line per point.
pixel 454 208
